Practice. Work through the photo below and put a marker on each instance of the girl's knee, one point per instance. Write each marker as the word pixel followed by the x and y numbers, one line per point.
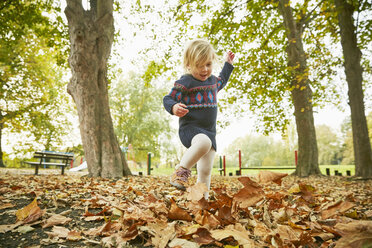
pixel 203 142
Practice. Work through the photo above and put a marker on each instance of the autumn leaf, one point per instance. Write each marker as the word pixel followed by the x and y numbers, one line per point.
pixel 354 234
pixel 270 176
pixel 338 207
pixel 307 192
pixel 203 237
pixel 246 197
pixel 207 219
pixel 29 213
pixel 59 232
pixel 6 205
pixel 74 236
pixel 230 231
pixel 177 213
pixel 196 192
pixel 250 194
pixel 56 220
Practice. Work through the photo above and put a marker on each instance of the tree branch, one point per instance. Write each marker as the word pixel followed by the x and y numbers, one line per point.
pixel 275 30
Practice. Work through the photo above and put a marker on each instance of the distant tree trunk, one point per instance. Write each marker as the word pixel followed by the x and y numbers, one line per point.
pixel 354 78
pixel 301 95
pixel 91 36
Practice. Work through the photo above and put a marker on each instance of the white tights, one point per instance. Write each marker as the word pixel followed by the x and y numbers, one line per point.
pixel 201 153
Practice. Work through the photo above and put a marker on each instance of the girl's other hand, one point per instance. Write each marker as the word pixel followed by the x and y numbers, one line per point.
pixel 230 57
pixel 180 109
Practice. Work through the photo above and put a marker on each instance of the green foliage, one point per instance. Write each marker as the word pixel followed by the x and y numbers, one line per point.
pixel 259 151
pixel 138 115
pixel 33 49
pixel 255 31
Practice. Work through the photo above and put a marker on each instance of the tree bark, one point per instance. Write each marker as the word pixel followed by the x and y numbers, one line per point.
pixel 354 78
pixel 91 36
pixel 301 95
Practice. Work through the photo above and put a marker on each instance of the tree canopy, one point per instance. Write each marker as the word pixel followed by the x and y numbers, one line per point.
pixel 32 49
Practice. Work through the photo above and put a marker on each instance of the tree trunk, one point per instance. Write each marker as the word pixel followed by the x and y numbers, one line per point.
pixel 301 95
pixel 91 36
pixel 354 78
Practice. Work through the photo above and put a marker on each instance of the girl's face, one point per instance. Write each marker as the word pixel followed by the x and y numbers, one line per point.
pixel 202 72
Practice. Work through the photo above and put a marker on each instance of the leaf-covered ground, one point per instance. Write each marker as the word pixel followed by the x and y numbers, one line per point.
pixel 268 210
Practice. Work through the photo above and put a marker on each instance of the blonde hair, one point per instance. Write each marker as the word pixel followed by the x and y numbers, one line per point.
pixel 198 52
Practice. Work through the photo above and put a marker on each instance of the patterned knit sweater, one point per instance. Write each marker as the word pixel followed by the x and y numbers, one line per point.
pixel 201 101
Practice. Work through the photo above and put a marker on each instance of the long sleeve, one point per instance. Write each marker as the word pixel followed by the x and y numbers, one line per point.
pixel 174 97
pixel 224 75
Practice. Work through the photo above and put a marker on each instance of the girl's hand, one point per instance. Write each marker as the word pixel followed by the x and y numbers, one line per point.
pixel 180 109
pixel 230 57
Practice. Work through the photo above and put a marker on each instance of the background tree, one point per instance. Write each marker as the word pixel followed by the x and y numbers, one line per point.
pixel 138 116
pixel 330 148
pixel 354 78
pixel 285 63
pixel 31 53
pixel 91 36
pixel 347 138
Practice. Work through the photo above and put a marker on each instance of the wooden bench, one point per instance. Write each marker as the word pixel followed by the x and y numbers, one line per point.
pixel 64 160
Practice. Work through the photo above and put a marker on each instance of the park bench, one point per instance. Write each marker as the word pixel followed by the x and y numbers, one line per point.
pixel 63 160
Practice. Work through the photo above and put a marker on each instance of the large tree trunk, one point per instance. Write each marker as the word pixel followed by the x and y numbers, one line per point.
pixel 301 95
pixel 354 78
pixel 91 36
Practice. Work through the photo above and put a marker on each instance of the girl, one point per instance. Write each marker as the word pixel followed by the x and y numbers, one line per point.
pixel 194 99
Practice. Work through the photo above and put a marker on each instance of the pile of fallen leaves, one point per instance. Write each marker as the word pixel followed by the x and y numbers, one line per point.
pixel 268 210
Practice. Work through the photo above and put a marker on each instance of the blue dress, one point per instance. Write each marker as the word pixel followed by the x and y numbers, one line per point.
pixel 201 101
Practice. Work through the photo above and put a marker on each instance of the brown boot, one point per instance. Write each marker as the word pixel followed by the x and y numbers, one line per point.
pixel 180 177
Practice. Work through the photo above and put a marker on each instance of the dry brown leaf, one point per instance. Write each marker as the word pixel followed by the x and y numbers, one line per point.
pixel 270 176
pixel 288 233
pixel 356 240
pixel 203 237
pixel 246 197
pixel 196 192
pixel 240 236
pixel 307 192
pixel 100 231
pixel 94 218
pixel 182 243
pixel 177 213
pixel 29 213
pixel 261 230
pixel 162 235
pixel 207 219
pixel 74 236
pixel 6 205
pixel 339 208
pixel 56 220
pixel 59 232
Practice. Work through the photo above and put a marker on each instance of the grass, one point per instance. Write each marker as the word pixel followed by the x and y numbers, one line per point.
pixel 168 171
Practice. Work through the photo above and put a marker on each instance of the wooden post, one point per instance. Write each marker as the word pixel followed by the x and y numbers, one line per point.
pixel 296 158
pixel 328 171
pixel 240 162
pixel 149 163
pixel 224 165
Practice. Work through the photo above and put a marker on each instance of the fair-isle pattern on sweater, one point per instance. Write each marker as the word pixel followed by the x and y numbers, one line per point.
pixel 197 97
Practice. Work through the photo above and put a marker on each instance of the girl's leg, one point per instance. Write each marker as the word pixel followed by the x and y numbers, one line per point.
pixel 200 145
pixel 204 167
